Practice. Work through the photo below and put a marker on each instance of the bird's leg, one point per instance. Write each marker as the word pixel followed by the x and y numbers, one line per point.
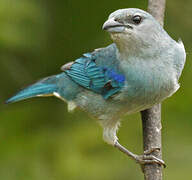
pixel 146 158
pixel 109 136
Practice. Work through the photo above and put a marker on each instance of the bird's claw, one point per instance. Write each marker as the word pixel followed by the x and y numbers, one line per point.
pixel 149 159
pixel 146 158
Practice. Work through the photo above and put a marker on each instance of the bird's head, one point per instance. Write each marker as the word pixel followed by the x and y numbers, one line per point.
pixel 133 28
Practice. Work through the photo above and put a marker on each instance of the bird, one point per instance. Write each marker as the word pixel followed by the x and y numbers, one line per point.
pixel 139 69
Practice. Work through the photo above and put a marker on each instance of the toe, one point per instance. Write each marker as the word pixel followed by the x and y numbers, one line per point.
pixel 144 159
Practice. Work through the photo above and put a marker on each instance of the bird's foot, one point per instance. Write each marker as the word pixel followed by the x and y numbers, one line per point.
pixel 149 159
pixel 146 158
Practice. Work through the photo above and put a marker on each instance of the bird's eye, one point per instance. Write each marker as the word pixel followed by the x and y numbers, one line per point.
pixel 136 19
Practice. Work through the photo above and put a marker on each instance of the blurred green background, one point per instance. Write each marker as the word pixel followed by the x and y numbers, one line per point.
pixel 39 140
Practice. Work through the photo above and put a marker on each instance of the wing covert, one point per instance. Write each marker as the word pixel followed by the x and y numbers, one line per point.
pixel 98 71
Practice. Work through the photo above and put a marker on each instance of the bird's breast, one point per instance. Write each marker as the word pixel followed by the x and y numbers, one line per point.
pixel 147 82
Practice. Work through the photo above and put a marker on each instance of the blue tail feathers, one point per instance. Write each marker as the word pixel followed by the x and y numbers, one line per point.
pixel 43 87
pixel 61 84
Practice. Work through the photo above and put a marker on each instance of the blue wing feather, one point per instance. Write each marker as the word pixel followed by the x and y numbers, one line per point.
pixel 94 70
pixel 98 71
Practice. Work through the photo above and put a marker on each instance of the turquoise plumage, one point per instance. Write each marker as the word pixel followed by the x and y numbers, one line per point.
pixel 89 72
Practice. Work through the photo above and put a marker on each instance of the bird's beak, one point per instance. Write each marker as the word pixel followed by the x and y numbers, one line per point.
pixel 113 26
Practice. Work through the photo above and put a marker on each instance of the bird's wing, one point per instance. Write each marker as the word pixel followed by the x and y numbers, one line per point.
pixel 98 71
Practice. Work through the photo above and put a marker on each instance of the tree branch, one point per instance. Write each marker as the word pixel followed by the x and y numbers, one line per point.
pixel 157 9
pixel 151 118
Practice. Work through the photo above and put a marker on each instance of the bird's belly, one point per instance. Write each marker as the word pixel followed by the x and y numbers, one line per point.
pixel 134 97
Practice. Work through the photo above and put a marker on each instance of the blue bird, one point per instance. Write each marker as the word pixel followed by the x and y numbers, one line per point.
pixel 140 69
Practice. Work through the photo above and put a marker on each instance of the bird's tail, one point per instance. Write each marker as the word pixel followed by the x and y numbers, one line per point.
pixel 50 86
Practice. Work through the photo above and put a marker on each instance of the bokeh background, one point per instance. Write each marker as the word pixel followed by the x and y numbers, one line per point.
pixel 39 140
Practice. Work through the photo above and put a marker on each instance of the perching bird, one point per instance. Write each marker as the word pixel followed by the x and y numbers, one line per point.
pixel 140 69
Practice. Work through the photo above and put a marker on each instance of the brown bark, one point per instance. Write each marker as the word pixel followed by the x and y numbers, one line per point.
pixel 151 118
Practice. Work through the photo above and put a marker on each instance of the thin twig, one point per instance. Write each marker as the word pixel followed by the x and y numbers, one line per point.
pixel 151 118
